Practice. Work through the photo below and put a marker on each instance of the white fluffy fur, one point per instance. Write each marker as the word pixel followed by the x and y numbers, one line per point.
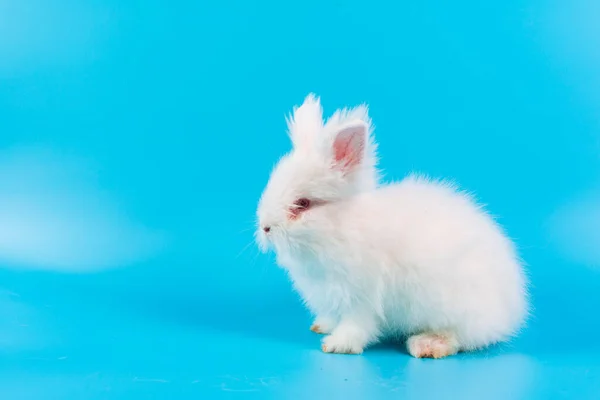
pixel 415 258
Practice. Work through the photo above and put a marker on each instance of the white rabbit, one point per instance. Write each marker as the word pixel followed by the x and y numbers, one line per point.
pixel 415 258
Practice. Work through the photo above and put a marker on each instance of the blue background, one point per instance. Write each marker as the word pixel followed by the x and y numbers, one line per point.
pixel 137 136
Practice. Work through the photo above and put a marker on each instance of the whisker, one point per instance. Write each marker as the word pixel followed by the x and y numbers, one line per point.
pixel 255 259
pixel 244 249
pixel 252 228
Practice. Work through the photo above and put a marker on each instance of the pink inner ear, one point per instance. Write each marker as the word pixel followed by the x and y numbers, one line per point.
pixel 348 146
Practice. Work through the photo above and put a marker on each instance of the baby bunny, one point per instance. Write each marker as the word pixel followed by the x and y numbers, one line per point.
pixel 416 259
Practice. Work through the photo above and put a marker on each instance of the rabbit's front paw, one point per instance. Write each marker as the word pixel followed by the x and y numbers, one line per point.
pixel 323 325
pixel 341 343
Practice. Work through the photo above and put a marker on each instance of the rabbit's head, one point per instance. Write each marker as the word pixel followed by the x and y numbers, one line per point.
pixel 330 161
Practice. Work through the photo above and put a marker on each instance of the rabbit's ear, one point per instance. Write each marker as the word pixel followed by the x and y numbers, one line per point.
pixel 349 145
pixel 305 123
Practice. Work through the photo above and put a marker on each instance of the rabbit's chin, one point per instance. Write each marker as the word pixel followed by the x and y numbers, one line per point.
pixel 263 243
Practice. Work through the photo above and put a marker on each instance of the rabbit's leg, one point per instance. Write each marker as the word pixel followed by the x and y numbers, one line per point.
pixel 432 345
pixel 324 324
pixel 352 334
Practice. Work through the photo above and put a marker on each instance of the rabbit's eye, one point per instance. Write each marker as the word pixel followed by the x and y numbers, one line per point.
pixel 299 207
pixel 302 204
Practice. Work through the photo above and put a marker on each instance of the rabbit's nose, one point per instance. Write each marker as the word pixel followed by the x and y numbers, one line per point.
pixel 266 229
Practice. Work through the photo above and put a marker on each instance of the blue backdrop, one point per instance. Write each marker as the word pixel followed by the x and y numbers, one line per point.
pixel 137 136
